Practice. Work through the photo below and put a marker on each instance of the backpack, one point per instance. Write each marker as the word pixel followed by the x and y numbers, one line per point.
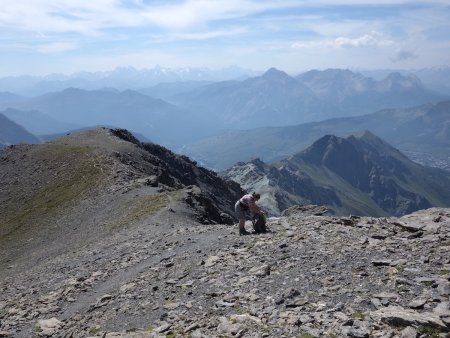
pixel 259 223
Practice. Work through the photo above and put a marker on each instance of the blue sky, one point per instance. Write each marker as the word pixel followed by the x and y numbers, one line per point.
pixel 65 36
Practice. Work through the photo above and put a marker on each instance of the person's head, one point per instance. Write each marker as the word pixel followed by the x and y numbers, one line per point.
pixel 256 196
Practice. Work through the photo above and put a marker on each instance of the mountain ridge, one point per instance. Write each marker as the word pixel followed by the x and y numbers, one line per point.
pixel 86 182
pixel 359 174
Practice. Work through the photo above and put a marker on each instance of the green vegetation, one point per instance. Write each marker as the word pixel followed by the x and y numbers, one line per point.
pixel 352 200
pixel 94 330
pixel 399 267
pixel 358 315
pixel 37 328
pixel 444 272
pixel 429 331
pixel 82 172
pixel 138 208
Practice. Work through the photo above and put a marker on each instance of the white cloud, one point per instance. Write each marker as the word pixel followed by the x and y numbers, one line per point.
pixel 374 39
pixel 130 32
pixel 59 16
pixel 209 34
pixel 57 47
pixel 367 40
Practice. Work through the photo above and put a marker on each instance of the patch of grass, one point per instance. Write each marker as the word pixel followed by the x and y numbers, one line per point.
pixel 429 331
pixel 138 208
pixel 399 268
pixel 171 335
pixel 444 272
pixel 358 315
pixel 94 330
pixel 306 335
pixel 55 189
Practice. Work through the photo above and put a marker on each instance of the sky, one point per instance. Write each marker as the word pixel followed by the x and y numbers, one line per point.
pixel 39 37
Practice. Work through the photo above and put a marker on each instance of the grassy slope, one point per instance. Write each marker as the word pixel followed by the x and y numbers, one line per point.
pixel 75 171
pixel 66 193
pixel 353 200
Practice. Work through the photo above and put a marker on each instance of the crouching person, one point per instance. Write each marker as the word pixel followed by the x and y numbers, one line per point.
pixel 244 204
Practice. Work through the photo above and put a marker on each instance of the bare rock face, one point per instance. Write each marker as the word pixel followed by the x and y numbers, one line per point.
pixel 310 275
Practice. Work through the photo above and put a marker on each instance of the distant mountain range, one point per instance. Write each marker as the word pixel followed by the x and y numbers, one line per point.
pixel 355 94
pixel 154 118
pixel 191 111
pixel 12 133
pixel 124 78
pixel 435 78
pixel 422 129
pixel 121 78
pixel 360 174
pixel 272 99
pixel 277 99
pixel 37 122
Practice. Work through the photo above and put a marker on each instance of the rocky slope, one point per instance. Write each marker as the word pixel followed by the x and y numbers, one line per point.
pixel 60 195
pixel 103 236
pixel 360 174
pixel 310 276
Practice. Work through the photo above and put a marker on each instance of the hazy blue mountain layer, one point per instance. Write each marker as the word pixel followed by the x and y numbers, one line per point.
pixel 13 133
pixel 421 129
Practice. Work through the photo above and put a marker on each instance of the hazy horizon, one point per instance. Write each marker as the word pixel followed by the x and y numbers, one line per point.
pixel 65 36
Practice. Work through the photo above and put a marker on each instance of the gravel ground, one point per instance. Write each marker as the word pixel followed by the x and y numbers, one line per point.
pixel 310 276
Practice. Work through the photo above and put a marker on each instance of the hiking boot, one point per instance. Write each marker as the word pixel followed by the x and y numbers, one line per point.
pixel 243 232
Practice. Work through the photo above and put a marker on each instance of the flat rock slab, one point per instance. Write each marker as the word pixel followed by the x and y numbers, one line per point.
pixel 398 316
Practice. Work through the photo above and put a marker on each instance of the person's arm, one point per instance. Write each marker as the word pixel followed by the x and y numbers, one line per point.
pixel 254 208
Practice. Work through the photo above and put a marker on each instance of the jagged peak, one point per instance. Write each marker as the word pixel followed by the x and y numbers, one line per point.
pixel 365 134
pixel 274 73
pixel 257 161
